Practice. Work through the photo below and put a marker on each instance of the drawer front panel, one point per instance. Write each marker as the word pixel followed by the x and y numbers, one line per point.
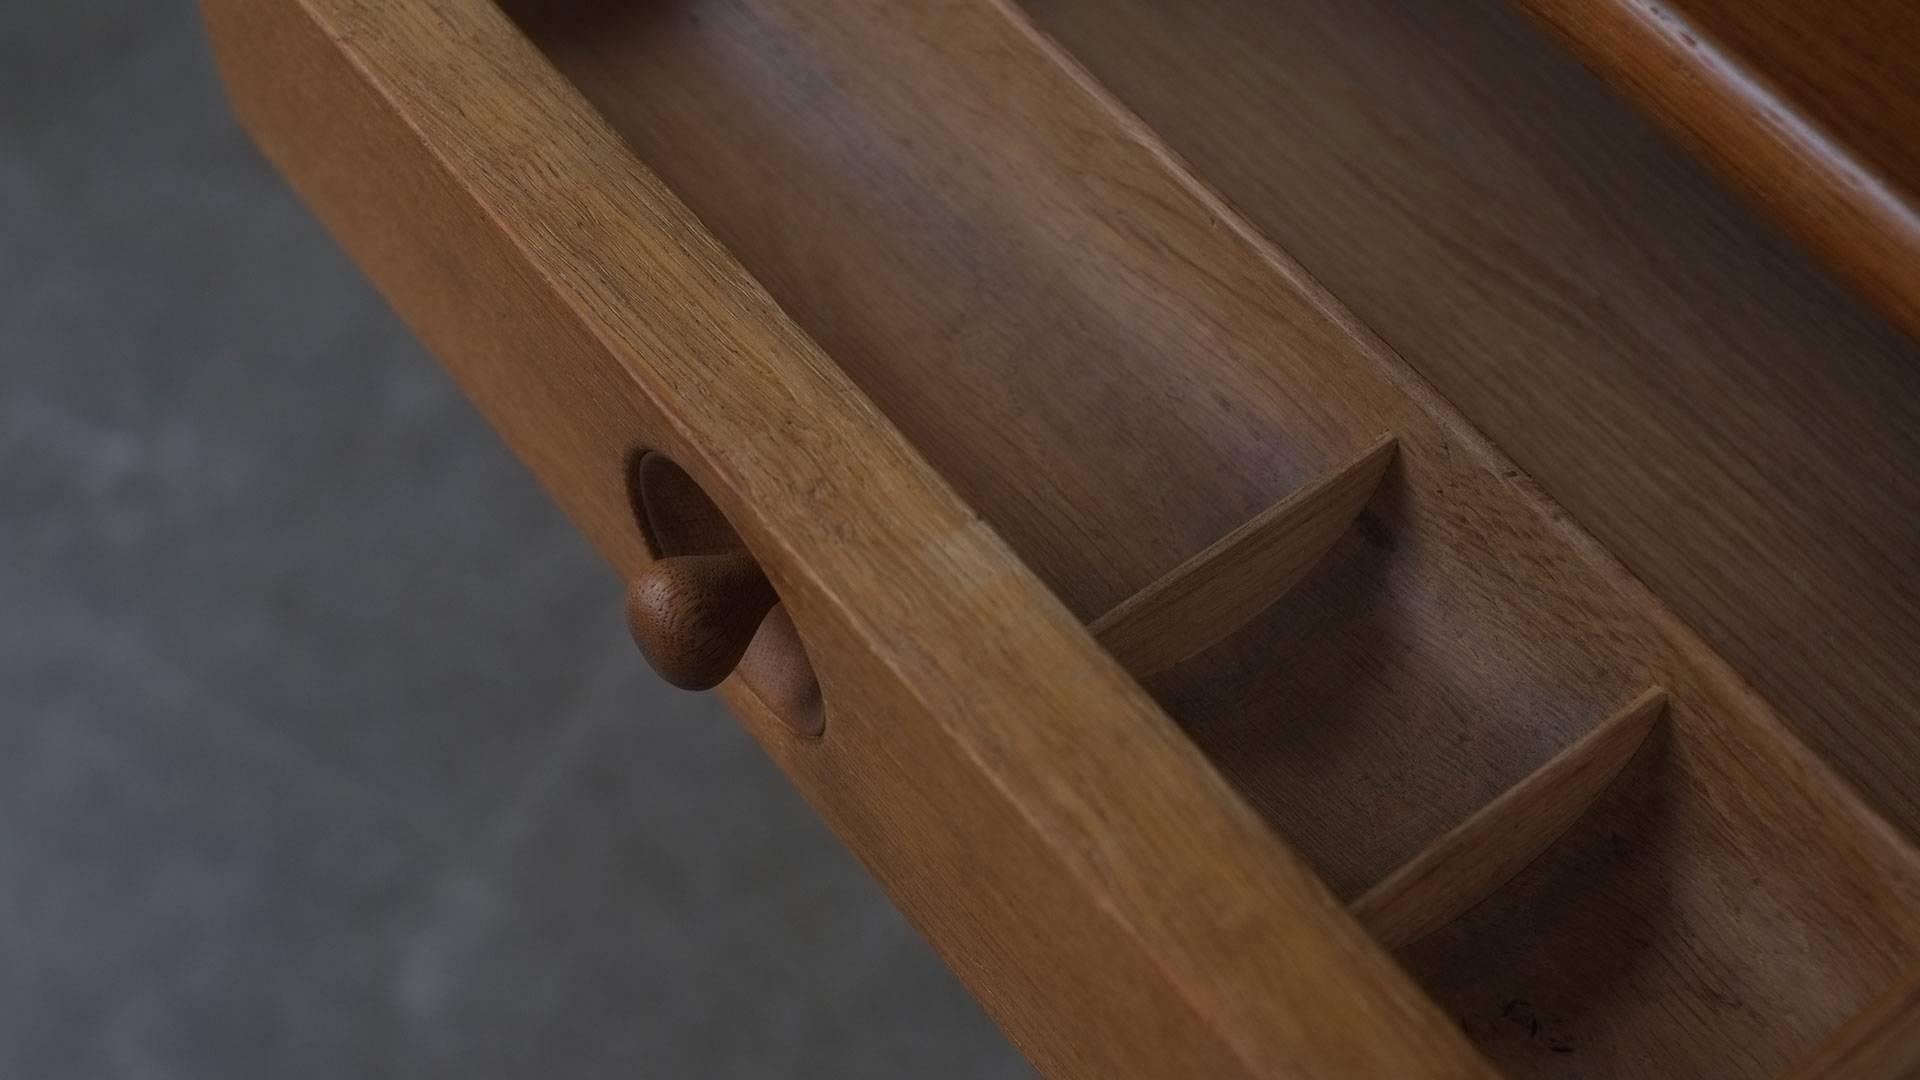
pixel 1158 931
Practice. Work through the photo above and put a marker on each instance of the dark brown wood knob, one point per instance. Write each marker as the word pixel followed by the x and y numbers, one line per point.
pixel 693 616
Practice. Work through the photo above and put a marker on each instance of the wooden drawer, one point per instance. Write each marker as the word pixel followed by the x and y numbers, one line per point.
pixel 1214 696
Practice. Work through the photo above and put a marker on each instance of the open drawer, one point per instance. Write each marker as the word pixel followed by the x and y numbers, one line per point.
pixel 1214 697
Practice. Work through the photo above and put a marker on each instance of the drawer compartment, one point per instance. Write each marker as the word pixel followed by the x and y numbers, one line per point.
pixel 1727 419
pixel 1006 315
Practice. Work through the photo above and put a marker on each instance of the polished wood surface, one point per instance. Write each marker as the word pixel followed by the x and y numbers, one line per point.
pixel 1012 364
pixel 1484 852
pixel 1720 413
pixel 1145 928
pixel 1810 108
pixel 1882 1043
pixel 1115 374
pixel 678 522
pixel 693 616
pixel 1113 382
pixel 1216 592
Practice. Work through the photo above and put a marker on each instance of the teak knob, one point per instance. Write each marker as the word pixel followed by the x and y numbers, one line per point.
pixel 693 616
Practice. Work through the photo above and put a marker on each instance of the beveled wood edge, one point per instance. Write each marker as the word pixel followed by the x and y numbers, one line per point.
pixel 1217 591
pixel 979 789
pixel 1462 868
pixel 1882 1042
pixel 1862 227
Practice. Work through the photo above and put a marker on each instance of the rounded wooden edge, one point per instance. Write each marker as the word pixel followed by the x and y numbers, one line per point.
pixel 776 668
pixel 694 616
pixel 677 519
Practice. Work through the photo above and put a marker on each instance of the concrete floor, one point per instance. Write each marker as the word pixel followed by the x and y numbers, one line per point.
pixel 322 749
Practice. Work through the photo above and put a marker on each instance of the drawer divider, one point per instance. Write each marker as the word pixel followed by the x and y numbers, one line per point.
pixel 1487 850
pixel 1880 1043
pixel 1214 593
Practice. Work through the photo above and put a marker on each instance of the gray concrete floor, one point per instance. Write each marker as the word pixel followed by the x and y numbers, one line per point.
pixel 322 750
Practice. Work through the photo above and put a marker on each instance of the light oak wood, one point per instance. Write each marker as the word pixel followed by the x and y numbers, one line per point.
pixel 1214 593
pixel 1484 852
pixel 1882 1043
pixel 1811 109
pixel 1733 424
pixel 978 359
pixel 1144 929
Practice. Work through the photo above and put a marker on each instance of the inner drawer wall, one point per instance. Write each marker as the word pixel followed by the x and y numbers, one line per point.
pixel 1724 416
pixel 956 252
pixel 1115 377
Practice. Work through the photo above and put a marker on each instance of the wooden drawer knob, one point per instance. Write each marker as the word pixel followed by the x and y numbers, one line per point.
pixel 693 616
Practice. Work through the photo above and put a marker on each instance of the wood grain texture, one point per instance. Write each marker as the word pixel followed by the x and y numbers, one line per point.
pixel 693 616
pixel 1214 593
pixel 1147 930
pixel 1113 381
pixel 1811 109
pixel 1882 1043
pixel 679 521
pixel 1484 852
pixel 1114 372
pixel 1055 367
pixel 1732 423
pixel 779 674
pixel 675 516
